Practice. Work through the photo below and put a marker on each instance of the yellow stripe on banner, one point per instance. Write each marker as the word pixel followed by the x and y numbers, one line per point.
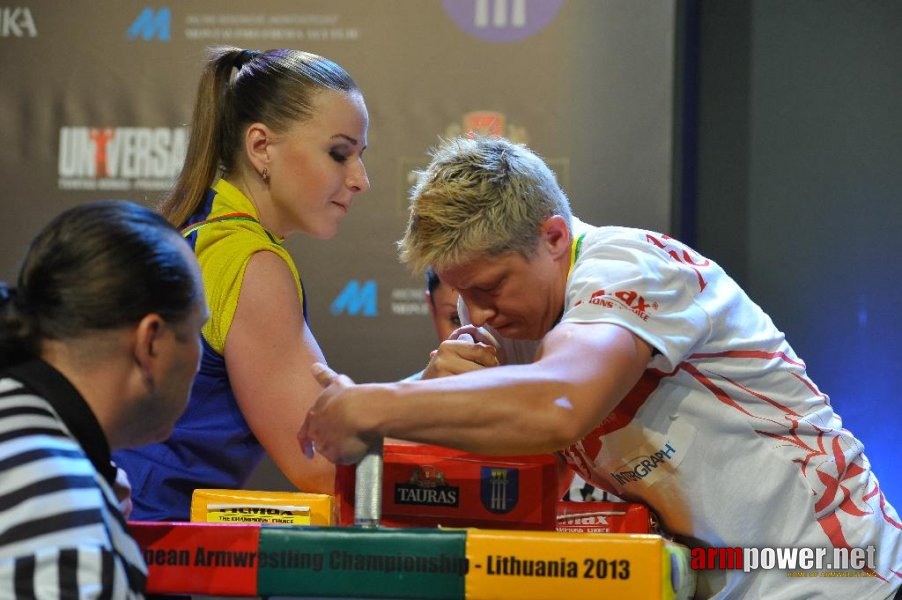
pixel 545 565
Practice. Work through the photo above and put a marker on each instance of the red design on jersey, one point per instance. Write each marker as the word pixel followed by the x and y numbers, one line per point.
pixel 831 526
pixel 830 522
pixel 834 491
pixel 583 453
pixel 719 393
pixel 750 354
pixel 626 410
pixel 577 456
pixel 810 385
pixel 886 517
pixel 794 440
pixel 624 299
pixel 682 254
pixel 762 397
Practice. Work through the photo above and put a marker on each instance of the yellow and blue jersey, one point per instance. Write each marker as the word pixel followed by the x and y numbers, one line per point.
pixel 211 445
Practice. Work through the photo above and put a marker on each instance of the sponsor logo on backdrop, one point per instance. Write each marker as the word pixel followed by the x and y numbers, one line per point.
pixel 120 158
pixel 263 26
pixel 17 22
pixel 487 123
pixel 151 25
pixel 427 487
pixel 478 122
pixel 409 301
pixel 502 20
pixel 499 489
pixel 357 299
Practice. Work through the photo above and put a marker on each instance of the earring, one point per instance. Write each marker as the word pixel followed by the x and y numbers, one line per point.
pixel 265 175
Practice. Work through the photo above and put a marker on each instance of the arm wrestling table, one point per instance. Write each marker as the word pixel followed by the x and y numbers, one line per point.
pixel 370 561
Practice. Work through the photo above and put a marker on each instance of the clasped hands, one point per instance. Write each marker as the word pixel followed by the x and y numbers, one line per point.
pixel 336 426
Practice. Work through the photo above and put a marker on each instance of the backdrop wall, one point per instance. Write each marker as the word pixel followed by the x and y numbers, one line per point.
pixel 799 185
pixel 797 165
pixel 95 96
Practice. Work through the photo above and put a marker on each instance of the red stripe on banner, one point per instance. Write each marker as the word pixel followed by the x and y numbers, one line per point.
pixel 199 558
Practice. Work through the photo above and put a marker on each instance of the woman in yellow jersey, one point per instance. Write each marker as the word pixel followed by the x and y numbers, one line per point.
pixel 276 148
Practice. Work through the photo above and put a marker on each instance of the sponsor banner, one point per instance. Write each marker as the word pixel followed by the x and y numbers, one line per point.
pixel 273 28
pixel 120 158
pixel 477 122
pixel 252 506
pixel 17 22
pixel 605 517
pixel 543 565
pixel 502 21
pixel 408 302
pixel 106 119
pixel 353 563
pixel 357 298
pixel 188 558
pixel 263 560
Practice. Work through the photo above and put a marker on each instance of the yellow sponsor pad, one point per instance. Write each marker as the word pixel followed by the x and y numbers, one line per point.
pixel 542 565
pixel 273 508
pixel 258 513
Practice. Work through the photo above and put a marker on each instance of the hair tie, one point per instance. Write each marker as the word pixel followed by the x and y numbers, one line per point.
pixel 245 56
pixel 7 294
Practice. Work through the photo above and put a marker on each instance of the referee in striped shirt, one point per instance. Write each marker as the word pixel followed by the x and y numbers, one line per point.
pixel 99 343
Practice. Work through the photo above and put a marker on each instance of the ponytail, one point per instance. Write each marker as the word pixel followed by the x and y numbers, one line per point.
pixel 202 159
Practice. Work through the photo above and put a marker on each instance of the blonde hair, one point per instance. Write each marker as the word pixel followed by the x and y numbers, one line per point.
pixel 479 196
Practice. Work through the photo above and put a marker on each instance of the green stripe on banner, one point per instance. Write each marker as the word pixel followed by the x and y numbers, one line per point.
pixel 362 563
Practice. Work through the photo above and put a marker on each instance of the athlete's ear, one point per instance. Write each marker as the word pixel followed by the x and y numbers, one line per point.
pixel 555 234
pixel 257 139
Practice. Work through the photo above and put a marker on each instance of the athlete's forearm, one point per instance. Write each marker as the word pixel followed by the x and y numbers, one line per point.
pixel 502 411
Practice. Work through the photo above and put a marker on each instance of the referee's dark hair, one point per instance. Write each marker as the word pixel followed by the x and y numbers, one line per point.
pixel 98 266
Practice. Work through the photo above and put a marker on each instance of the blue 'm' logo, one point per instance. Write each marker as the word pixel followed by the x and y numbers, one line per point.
pixel 357 299
pixel 151 24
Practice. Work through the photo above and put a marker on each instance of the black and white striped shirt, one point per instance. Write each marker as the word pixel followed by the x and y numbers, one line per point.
pixel 61 532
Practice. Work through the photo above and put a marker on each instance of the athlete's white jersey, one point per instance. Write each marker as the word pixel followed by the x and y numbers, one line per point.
pixel 725 436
